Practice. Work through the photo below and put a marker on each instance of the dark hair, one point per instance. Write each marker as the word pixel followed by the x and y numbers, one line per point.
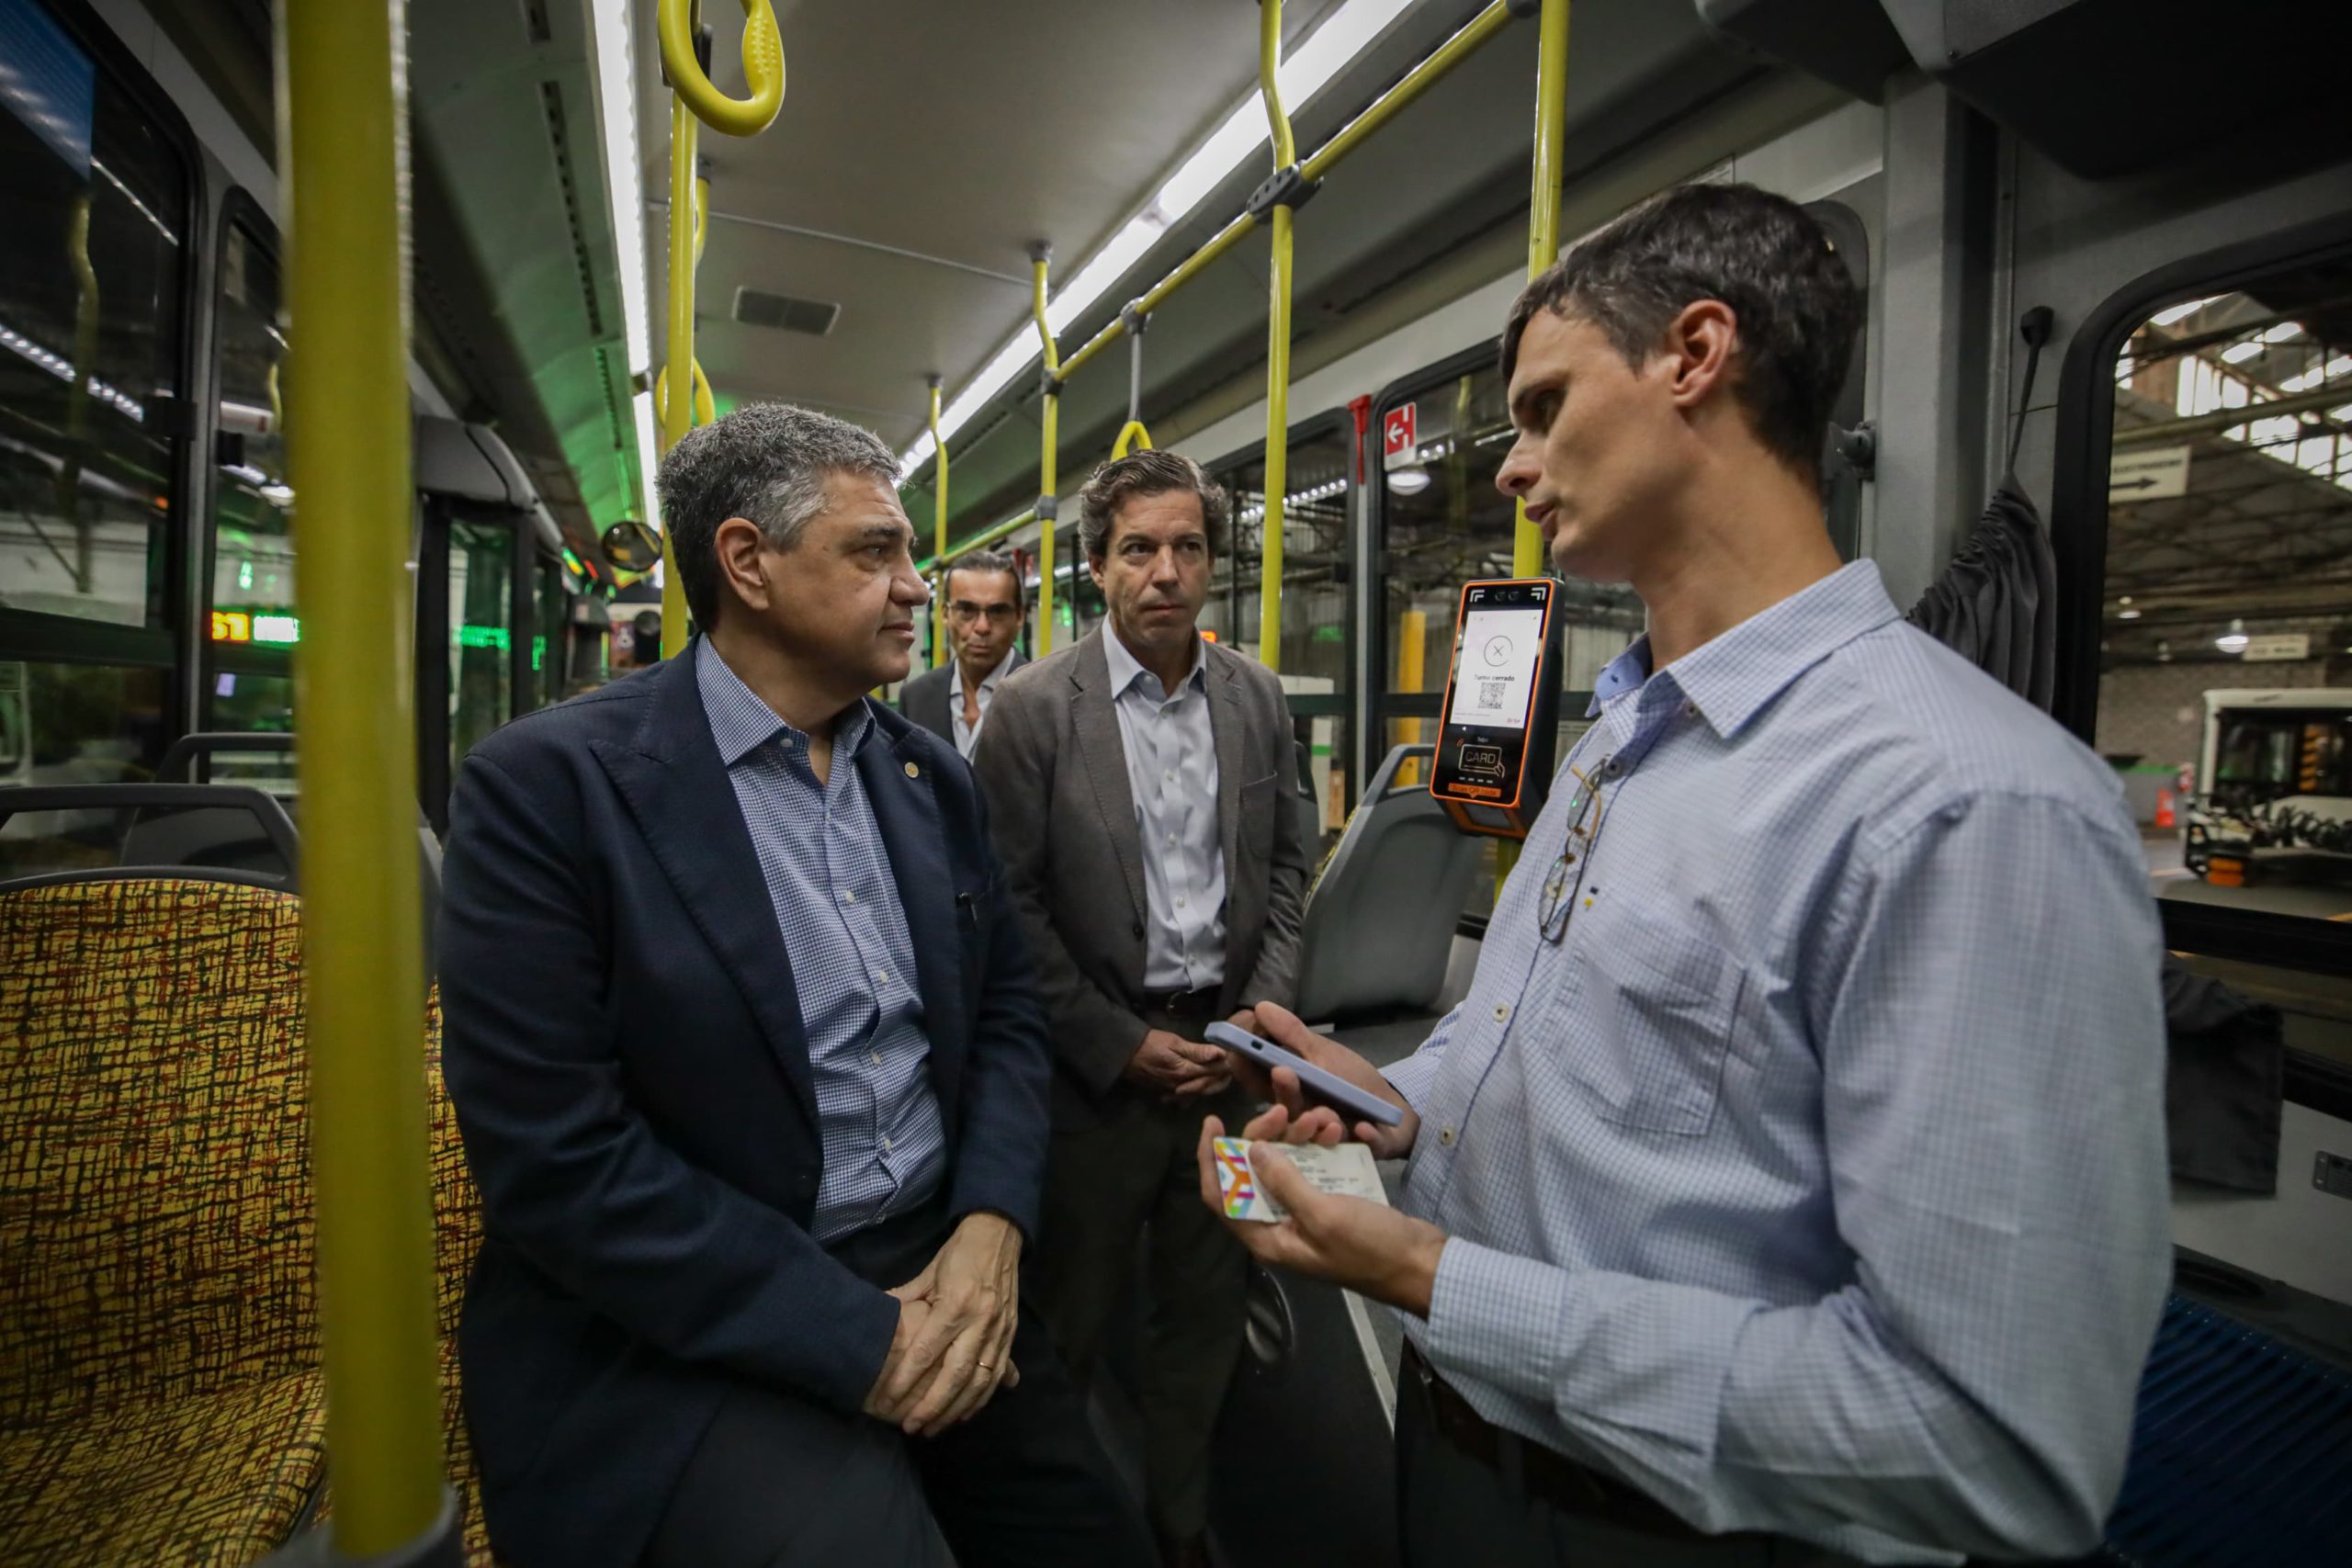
pixel 1758 253
pixel 987 561
pixel 766 463
pixel 1144 473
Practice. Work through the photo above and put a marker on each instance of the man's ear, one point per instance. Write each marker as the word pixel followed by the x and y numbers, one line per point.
pixel 1700 345
pixel 742 565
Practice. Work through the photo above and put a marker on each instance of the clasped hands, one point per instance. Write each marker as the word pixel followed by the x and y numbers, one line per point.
pixel 952 1346
pixel 1178 1071
pixel 1366 1247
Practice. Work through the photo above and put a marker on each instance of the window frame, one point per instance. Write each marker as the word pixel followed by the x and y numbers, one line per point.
pixel 37 637
pixel 1331 421
pixel 2078 517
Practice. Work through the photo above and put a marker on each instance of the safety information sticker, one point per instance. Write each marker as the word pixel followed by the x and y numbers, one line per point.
pixel 1346 1169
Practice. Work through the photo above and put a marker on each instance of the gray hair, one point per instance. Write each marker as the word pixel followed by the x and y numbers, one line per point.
pixel 984 561
pixel 1148 473
pixel 766 463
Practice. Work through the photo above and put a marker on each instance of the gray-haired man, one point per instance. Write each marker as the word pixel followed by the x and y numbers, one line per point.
pixel 747 1052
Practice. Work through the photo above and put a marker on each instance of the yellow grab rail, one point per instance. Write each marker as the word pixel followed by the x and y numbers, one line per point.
pixel 676 413
pixel 1277 461
pixel 978 541
pixel 1381 111
pixel 763 69
pixel 347 432
pixel 938 538
pixel 1544 211
pixel 1040 256
pixel 1133 437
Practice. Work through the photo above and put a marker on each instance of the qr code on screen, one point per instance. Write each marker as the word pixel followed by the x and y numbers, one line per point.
pixel 1491 692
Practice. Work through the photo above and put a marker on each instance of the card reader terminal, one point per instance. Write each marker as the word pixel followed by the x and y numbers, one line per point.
pixel 1500 729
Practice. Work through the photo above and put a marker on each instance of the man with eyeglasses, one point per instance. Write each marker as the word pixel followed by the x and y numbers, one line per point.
pixel 1789 1187
pixel 983 609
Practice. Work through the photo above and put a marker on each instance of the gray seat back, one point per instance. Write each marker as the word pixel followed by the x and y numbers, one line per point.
pixel 1380 923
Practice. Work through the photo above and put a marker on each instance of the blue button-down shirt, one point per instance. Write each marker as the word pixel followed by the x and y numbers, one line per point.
pixel 853 962
pixel 1813 1181
pixel 1171 770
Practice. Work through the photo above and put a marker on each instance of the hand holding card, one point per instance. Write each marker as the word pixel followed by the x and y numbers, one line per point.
pixel 1344 1169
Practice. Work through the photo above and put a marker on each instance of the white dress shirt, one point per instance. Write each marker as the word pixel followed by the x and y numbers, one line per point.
pixel 969 735
pixel 1171 772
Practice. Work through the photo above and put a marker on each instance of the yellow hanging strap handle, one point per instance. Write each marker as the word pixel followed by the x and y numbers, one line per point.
pixel 705 406
pixel 762 68
pixel 1133 436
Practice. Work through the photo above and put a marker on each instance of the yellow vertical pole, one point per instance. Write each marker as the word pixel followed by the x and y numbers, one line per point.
pixel 348 429
pixel 1041 255
pixel 1544 209
pixel 939 536
pixel 1270 557
pixel 1412 640
pixel 677 408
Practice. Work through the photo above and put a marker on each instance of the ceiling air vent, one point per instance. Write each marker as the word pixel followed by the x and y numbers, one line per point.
pixel 757 308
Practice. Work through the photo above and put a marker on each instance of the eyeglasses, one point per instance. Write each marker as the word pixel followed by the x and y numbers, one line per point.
pixel 965 610
pixel 1557 906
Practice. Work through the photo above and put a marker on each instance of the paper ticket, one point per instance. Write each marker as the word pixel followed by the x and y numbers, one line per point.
pixel 1346 1169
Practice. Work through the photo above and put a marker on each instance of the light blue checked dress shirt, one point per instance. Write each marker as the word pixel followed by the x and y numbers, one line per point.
pixel 1814 1181
pixel 852 962
pixel 1171 750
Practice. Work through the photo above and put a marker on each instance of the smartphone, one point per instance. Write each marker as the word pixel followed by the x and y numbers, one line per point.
pixel 1333 1090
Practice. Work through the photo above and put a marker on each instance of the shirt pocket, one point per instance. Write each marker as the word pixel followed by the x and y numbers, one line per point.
pixel 1653 1008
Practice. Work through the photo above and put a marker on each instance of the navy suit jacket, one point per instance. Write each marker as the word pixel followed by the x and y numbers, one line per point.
pixel 626 1056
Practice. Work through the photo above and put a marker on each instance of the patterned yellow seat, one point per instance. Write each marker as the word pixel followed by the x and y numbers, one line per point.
pixel 159 1389
pixel 456 1232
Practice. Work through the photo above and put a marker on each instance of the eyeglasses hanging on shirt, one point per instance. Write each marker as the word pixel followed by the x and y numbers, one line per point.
pixel 1557 906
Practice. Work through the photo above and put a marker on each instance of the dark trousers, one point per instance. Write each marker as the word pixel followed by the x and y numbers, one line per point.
pixel 1456 1510
pixel 782 1482
pixel 1137 1170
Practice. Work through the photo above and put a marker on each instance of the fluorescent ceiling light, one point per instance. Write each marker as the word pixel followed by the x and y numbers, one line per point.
pixel 616 106
pixel 2183 311
pixel 1243 132
pixel 2239 352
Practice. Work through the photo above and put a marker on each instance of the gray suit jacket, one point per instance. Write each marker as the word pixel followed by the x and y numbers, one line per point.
pixel 1054 771
pixel 925 700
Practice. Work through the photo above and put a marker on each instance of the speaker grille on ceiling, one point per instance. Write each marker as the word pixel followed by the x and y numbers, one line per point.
pixel 758 307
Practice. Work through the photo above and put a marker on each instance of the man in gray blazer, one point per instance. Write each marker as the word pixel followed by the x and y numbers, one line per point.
pixel 982 605
pixel 1139 789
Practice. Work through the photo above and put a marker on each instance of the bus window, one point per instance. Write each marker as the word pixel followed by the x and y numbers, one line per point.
pixel 2225 669
pixel 1316 655
pixel 1439 522
pixel 96 207
pixel 256 624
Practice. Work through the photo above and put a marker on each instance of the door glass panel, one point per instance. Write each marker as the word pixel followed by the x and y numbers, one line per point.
pixel 2225 675
pixel 253 551
pixel 1444 523
pixel 480 694
pixel 1316 656
pixel 94 206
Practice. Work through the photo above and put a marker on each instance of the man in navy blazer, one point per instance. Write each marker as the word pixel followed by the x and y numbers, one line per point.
pixel 747 1052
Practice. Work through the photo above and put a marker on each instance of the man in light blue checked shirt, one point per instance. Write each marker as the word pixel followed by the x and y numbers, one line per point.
pixel 1789 1187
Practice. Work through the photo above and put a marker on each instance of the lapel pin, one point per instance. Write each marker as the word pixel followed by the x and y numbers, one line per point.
pixel 914 771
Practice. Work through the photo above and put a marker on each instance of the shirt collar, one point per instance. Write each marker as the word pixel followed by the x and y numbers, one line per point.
pixel 1126 670
pixel 1004 667
pixel 1736 676
pixel 742 722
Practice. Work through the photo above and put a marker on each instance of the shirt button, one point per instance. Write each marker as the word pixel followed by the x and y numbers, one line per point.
pixel 886 1145
pixel 1445 1136
pixel 848 897
pixel 1169 777
pixel 1180 903
pixel 1689 710
pixel 874 1058
pixel 880 978
pixel 1503 1013
pixel 1171 838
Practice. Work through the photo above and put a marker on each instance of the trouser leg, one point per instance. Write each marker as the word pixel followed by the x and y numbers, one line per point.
pixel 1193 1341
